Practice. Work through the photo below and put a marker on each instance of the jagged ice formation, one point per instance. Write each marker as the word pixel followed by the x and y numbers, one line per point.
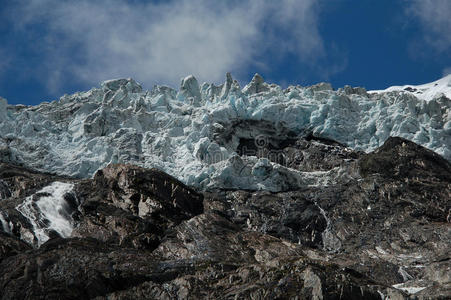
pixel 190 133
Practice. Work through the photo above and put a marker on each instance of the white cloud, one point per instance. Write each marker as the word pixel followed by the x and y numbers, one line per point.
pixel 90 41
pixel 435 19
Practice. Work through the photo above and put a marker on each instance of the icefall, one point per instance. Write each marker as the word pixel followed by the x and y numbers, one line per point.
pixel 177 131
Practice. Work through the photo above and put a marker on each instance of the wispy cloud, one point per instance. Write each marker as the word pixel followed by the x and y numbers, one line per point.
pixel 90 41
pixel 435 20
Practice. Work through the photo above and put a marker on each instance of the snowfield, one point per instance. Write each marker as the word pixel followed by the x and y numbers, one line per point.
pixel 179 131
pixel 426 91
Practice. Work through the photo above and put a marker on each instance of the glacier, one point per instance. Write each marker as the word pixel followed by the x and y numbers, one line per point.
pixel 180 131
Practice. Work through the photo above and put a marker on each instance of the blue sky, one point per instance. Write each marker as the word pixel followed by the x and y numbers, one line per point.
pixel 53 47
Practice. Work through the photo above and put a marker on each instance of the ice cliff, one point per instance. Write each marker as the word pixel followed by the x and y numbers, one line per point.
pixel 195 133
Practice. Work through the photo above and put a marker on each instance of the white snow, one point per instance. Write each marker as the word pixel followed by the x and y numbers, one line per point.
pixel 409 289
pixel 426 91
pixel 46 211
pixel 175 130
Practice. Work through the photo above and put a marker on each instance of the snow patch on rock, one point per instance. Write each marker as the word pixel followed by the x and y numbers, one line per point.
pixel 47 211
pixel 408 288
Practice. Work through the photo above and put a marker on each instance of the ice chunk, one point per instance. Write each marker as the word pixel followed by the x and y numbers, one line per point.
pixel 190 91
pixel 256 85
pixel 128 84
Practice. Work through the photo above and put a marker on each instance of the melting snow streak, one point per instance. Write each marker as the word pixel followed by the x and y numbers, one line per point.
pixel 48 210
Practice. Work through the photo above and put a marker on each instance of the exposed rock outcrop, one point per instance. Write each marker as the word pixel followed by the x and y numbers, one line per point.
pixel 133 207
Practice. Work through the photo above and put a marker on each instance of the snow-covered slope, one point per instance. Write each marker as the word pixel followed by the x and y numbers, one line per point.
pixel 426 91
pixel 181 132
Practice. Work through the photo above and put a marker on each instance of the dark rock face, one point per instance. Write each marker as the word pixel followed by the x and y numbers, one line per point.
pixel 315 154
pixel 133 206
pixel 142 234
pixel 10 246
pixel 399 158
pixel 17 182
pixel 290 215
